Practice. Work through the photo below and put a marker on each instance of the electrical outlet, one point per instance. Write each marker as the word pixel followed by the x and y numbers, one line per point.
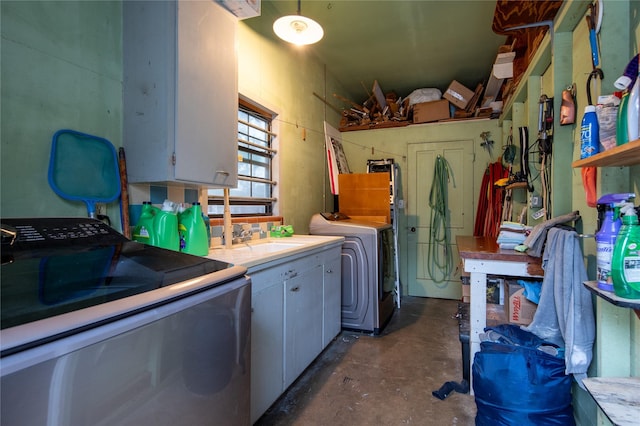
pixel 535 201
pixel 101 208
pixel 537 215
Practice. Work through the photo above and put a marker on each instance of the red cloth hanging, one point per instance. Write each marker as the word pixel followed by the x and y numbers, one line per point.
pixel 490 201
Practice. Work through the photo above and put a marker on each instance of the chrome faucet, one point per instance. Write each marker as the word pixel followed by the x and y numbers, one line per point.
pixel 242 236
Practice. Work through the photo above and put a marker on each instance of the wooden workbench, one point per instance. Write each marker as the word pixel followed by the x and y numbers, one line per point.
pixel 482 256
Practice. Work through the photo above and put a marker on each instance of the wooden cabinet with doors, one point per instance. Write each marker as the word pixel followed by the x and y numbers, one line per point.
pixel 180 92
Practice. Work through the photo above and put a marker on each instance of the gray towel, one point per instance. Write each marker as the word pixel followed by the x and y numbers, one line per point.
pixel 565 312
pixel 535 241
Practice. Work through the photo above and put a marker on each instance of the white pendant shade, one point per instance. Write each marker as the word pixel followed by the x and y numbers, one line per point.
pixel 298 29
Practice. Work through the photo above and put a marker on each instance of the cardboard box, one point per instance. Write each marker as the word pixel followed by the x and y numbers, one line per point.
pixel 520 309
pixel 426 112
pixel 458 94
pixel 495 291
pixel 466 292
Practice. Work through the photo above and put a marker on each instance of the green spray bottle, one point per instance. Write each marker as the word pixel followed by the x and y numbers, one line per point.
pixel 193 231
pixel 625 262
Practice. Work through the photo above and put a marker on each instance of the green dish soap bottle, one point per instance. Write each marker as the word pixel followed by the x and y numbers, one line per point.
pixel 625 262
pixel 144 231
pixel 166 226
pixel 193 231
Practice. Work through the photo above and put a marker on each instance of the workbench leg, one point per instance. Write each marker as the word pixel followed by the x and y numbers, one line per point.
pixel 478 317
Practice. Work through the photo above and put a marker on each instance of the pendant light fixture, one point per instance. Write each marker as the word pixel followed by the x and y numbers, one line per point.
pixel 297 29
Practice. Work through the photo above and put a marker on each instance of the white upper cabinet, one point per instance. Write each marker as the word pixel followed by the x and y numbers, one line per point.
pixel 180 92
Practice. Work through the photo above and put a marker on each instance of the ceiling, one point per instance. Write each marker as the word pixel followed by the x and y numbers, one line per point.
pixel 403 44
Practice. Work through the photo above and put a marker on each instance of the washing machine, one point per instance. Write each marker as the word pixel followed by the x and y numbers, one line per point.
pixel 368 269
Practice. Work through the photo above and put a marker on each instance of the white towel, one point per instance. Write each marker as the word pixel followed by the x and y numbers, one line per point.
pixel 565 312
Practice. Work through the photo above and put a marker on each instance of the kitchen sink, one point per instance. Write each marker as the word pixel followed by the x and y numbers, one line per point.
pixel 266 247
pixel 256 252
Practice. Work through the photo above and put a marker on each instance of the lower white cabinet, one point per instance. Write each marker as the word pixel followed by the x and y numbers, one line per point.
pixel 332 294
pixel 302 321
pixel 267 340
pixel 295 315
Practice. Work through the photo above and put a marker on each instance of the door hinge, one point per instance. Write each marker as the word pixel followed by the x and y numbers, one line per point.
pixel 173 159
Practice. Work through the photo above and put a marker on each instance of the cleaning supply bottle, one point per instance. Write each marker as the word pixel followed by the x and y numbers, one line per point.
pixel 192 230
pixel 144 231
pixel 609 226
pixel 207 226
pixel 633 112
pixel 622 135
pixel 589 133
pixel 625 264
pixel 166 227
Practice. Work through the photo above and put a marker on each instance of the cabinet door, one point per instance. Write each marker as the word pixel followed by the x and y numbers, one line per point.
pixel 303 320
pixel 267 341
pixel 332 293
pixel 180 92
pixel 206 95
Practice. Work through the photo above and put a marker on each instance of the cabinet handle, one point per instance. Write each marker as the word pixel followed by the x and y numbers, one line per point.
pixel 290 274
pixel 222 172
pixel 329 271
pixel 296 288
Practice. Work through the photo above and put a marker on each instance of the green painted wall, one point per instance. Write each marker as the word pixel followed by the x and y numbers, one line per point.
pixel 284 79
pixel 61 69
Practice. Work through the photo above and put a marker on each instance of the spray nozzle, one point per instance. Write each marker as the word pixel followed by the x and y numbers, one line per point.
pixel 628 78
pixel 168 206
pixel 612 200
pixel 628 209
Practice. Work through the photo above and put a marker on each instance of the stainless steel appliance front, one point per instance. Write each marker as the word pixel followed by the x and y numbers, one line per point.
pixel 100 330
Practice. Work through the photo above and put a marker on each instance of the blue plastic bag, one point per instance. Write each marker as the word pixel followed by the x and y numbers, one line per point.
pixel 517 384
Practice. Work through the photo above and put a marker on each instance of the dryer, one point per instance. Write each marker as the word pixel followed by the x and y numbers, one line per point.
pixel 368 269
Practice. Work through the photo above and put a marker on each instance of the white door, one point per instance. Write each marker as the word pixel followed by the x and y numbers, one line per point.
pixel 432 265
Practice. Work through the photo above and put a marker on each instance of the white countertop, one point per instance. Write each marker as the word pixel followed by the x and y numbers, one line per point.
pixel 257 252
pixel 618 397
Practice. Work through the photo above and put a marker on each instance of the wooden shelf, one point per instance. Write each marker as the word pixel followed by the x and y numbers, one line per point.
pixel 570 15
pixel 610 297
pixel 623 155
pixel 618 397
pixel 539 63
pixel 517 185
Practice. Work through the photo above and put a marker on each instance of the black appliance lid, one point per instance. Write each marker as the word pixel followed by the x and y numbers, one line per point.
pixel 60 265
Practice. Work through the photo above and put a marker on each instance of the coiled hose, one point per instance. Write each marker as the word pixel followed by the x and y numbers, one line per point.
pixel 438 251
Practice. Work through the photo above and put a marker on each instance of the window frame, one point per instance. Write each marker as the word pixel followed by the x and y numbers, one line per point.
pixel 244 145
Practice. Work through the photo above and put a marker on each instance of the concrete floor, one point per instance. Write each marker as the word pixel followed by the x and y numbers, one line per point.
pixel 384 380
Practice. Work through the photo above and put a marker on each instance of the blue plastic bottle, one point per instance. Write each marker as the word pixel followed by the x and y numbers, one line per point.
pixel 589 133
pixel 605 241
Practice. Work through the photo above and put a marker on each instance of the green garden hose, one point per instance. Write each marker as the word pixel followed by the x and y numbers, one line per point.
pixel 439 252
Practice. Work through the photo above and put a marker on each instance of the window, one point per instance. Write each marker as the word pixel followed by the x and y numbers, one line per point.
pixel 254 195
